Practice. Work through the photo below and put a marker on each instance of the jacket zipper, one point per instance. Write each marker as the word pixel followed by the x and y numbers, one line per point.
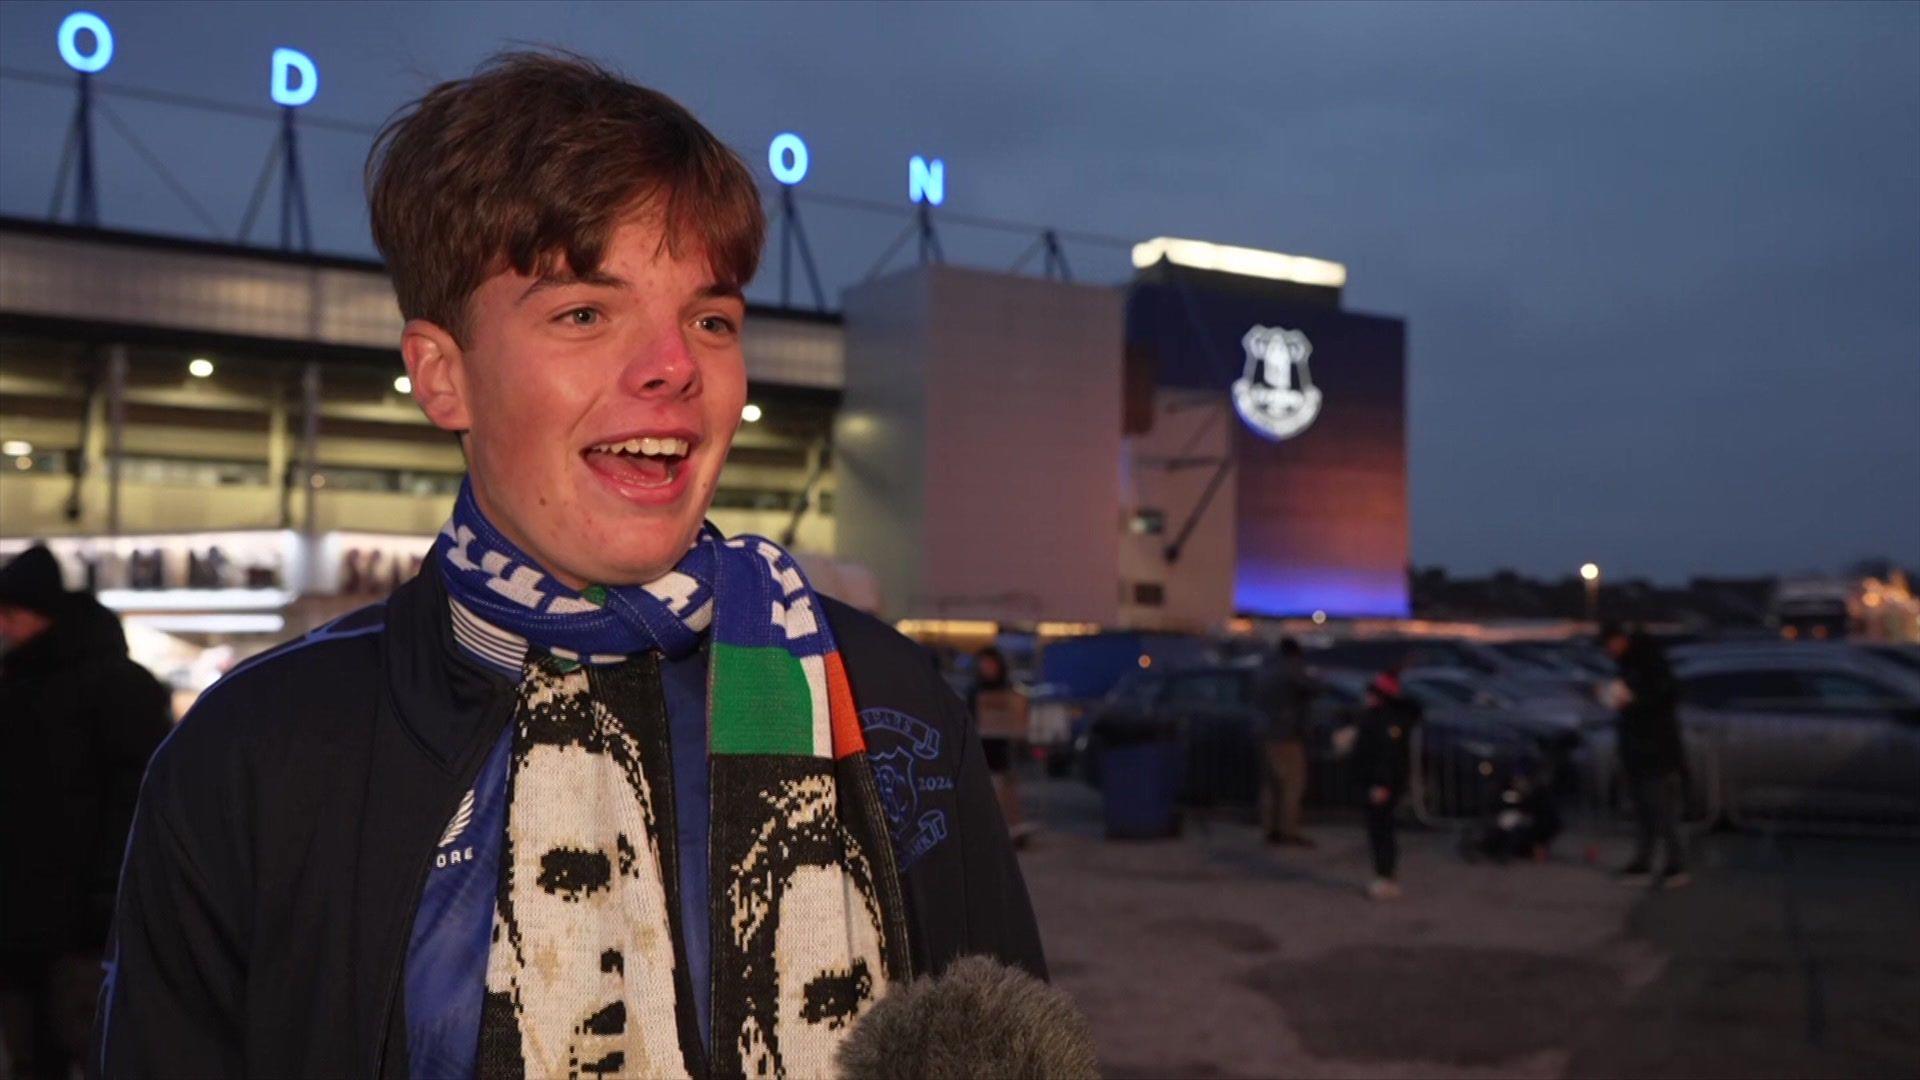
pixel 469 774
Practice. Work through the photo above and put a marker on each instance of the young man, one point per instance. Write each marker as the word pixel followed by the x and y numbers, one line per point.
pixel 1653 758
pixel 595 793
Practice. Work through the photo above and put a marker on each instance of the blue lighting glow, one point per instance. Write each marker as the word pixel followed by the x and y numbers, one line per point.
pixel 285 63
pixel 927 181
pixel 102 55
pixel 1291 590
pixel 787 157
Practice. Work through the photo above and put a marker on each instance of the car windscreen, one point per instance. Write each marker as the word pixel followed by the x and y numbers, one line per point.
pixel 1207 688
pixel 1440 692
pixel 1817 688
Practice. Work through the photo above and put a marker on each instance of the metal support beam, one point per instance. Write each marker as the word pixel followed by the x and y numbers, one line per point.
pixel 1056 264
pixel 116 431
pixel 310 445
pixel 1193 520
pixel 90 446
pixel 792 234
pixel 293 189
pixel 76 160
pixel 930 251
pixel 819 458
pixel 285 153
pixel 280 451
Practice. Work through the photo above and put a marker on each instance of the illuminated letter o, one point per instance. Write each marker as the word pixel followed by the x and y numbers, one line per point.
pixel 70 28
pixel 787 157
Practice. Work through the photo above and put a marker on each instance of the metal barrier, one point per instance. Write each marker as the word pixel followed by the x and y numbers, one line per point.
pixel 1454 787
pixel 1763 775
pixel 1750 772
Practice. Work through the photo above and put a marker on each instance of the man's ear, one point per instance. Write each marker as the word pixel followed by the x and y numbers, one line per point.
pixel 437 367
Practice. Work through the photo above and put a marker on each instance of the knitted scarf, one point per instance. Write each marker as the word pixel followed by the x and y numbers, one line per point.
pixel 586 973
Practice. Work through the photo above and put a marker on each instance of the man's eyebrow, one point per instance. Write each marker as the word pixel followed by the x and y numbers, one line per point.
pixel 557 281
pixel 717 291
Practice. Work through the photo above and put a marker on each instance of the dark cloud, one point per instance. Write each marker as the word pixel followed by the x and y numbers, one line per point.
pixel 1661 263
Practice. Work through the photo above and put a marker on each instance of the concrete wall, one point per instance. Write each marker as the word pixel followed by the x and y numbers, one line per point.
pixel 879 435
pixel 1168 469
pixel 978 445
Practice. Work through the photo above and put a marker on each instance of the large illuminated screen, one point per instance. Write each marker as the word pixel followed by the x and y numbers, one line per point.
pixel 1318 403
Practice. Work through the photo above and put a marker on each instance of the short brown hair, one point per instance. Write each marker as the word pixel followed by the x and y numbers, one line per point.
pixel 534 160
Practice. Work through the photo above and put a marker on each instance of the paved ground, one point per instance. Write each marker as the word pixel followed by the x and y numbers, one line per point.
pixel 1215 956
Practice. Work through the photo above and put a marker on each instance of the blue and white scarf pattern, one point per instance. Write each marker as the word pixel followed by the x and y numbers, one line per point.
pixel 586 893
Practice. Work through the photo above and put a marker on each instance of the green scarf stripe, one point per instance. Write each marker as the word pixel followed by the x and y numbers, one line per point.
pixel 761 702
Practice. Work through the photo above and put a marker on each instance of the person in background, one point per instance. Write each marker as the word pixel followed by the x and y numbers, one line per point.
pixel 990 675
pixel 1383 764
pixel 1646 699
pixel 78 720
pixel 1284 693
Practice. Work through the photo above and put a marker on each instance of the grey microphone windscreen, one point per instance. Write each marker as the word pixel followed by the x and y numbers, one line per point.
pixel 979 1018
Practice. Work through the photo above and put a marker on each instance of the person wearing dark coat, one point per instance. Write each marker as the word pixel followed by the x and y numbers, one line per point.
pixel 78 721
pixel 1652 758
pixel 1383 766
pixel 1284 693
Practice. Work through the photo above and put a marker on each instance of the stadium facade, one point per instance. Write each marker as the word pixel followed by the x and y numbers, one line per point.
pixel 218 438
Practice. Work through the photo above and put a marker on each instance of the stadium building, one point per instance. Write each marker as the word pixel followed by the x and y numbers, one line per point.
pixel 219 439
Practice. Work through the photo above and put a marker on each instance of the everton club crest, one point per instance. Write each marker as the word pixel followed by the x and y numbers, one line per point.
pixel 1275 395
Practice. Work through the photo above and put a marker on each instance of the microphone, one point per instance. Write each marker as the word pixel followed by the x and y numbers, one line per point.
pixel 979 1018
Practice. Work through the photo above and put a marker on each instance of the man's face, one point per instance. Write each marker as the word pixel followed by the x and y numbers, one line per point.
pixel 20 625
pixel 598 410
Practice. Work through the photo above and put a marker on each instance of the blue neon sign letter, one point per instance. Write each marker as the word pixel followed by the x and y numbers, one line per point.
pixel 927 182
pixel 286 62
pixel 70 28
pixel 787 157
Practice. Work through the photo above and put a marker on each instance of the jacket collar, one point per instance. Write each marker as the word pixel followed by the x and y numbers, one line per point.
pixel 445 699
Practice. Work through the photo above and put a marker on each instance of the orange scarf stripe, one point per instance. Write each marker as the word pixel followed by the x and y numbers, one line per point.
pixel 842 715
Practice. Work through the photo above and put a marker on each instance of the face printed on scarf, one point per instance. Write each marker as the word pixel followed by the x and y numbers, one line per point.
pixel 597 410
pixel 828 966
pixel 592 968
pixel 819 1004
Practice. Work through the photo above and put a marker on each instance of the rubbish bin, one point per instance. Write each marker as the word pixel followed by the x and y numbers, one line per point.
pixel 1140 769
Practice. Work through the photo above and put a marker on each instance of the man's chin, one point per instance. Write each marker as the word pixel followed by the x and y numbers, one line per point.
pixel 635 567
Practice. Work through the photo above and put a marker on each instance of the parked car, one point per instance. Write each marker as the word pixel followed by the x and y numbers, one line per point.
pixel 1551 714
pixel 1574 658
pixel 1471 758
pixel 1904 653
pixel 1521 675
pixel 1076 673
pixel 1808 732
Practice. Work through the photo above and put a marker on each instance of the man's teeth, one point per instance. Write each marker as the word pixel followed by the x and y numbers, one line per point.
pixel 649 447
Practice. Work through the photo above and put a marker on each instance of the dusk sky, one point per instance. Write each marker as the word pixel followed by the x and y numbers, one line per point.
pixel 1660 264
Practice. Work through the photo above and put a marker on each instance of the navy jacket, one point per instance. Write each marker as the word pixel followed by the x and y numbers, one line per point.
pixel 285 829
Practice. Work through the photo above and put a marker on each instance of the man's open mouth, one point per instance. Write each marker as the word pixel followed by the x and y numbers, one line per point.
pixel 642 462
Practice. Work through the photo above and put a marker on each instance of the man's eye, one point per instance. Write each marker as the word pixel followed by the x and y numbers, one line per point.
pixel 581 317
pixel 833 997
pixel 716 324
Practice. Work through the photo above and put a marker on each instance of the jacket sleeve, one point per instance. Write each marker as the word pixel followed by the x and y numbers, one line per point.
pixel 999 915
pixel 171 1003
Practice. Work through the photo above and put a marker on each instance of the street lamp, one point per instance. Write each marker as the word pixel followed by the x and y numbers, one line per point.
pixel 1590 573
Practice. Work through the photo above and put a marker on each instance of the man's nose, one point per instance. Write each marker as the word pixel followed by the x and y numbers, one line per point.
pixel 662 367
